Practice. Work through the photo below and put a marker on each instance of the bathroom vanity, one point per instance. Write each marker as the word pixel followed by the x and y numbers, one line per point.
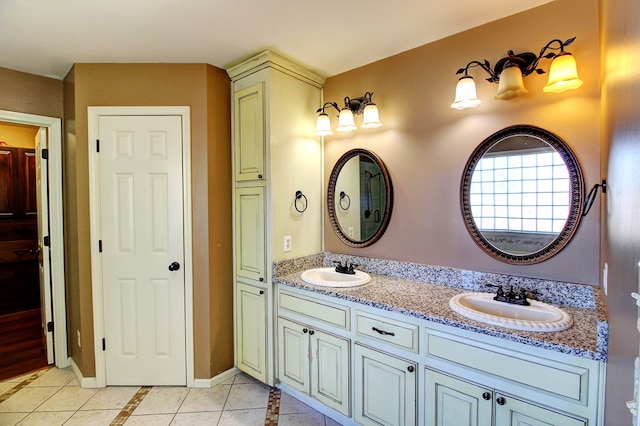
pixel 392 352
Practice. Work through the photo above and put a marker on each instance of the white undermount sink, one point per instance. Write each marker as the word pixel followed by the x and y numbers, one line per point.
pixel 538 316
pixel 328 277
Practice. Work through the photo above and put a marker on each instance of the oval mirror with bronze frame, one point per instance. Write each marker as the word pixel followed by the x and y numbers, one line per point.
pixel 521 194
pixel 359 198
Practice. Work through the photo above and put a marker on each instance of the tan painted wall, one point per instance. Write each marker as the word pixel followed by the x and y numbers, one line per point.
pixel 425 144
pixel 30 94
pixel 144 85
pixel 621 227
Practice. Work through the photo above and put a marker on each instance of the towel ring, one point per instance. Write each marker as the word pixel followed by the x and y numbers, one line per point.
pixel 343 195
pixel 300 195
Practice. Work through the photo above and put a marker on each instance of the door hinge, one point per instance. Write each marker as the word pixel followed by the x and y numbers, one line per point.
pixel 45 154
pixel 104 344
pixel 97 145
pixel 100 246
pixel 50 326
pixel 47 241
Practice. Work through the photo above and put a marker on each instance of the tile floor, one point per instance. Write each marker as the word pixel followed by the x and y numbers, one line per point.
pixel 52 397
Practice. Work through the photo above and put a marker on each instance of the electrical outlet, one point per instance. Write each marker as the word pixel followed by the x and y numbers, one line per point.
pixel 350 232
pixel 79 340
pixel 287 243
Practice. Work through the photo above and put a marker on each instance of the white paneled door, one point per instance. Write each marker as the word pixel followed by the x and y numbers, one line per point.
pixel 141 216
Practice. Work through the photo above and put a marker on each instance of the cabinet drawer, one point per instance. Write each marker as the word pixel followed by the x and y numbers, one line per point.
pixel 560 379
pixel 314 308
pixel 387 330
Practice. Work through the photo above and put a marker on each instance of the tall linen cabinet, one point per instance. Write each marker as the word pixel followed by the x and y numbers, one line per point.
pixel 275 154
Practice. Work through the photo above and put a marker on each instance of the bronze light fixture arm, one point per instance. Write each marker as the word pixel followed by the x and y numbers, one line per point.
pixel 327 104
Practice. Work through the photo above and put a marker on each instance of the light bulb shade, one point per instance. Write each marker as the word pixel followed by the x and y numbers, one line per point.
pixel 370 117
pixel 323 125
pixel 511 84
pixel 465 94
pixel 345 121
pixel 563 74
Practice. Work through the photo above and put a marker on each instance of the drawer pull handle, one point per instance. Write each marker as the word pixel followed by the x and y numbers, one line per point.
pixel 501 401
pixel 304 330
pixel 311 332
pixel 486 396
pixel 384 333
pixel 410 369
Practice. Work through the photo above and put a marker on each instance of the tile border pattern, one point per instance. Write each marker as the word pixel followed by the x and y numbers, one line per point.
pixel 271 419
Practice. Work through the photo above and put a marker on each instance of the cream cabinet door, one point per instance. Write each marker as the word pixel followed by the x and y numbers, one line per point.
pixel 250 233
pixel 385 391
pixel 513 412
pixel 450 401
pixel 249 133
pixel 251 330
pixel 330 370
pixel 293 357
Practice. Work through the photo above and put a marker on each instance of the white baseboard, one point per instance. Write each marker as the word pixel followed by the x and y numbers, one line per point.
pixel 220 378
pixel 84 382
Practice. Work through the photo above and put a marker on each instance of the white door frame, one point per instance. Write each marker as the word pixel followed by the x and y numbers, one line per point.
pixel 94 114
pixel 56 233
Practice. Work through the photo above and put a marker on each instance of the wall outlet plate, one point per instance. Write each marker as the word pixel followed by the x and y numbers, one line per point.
pixel 287 243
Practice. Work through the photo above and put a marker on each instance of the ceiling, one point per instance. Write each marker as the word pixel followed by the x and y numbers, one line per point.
pixel 46 37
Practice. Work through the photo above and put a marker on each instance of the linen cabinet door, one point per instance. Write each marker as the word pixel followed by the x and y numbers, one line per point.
pixel 250 233
pixel 251 330
pixel 330 370
pixel 513 412
pixel 249 133
pixel 450 401
pixel 385 391
pixel 293 357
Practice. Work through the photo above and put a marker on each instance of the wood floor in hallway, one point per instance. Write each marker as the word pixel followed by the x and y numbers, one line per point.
pixel 21 347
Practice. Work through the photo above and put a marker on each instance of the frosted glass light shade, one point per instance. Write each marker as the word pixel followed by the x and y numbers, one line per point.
pixel 511 84
pixel 466 94
pixel 323 125
pixel 345 121
pixel 563 74
pixel 370 117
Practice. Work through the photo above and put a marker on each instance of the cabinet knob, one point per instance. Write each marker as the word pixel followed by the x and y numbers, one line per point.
pixel 486 396
pixel 261 279
pixel 259 176
pixel 411 369
pixel 311 332
pixel 261 291
pixel 501 401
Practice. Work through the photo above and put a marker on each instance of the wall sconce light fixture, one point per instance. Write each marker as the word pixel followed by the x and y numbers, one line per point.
pixel 346 123
pixel 509 72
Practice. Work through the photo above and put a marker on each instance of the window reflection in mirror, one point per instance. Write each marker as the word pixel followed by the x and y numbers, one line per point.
pixel 522 194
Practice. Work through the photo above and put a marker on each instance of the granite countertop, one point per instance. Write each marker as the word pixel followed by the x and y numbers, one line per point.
pixel 587 338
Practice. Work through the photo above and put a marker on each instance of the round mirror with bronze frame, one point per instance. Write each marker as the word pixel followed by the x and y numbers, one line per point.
pixel 521 195
pixel 359 198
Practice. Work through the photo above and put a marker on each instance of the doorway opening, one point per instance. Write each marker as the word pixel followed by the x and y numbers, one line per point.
pixel 32 303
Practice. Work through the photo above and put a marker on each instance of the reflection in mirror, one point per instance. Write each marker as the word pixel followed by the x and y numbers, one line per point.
pixel 522 194
pixel 359 198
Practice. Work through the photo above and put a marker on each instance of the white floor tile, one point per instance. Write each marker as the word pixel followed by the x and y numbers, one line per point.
pixel 69 398
pixel 306 419
pixel 162 400
pixel 6 386
pixel 243 418
pixel 110 398
pixel 196 419
pixel 54 377
pixel 27 399
pixel 328 421
pixel 52 418
pixel 244 378
pixel 150 420
pixel 212 399
pixel 93 418
pixel 11 419
pixel 244 396
pixel 290 405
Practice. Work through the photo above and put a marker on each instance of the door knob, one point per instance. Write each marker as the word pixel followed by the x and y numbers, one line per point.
pixel 174 266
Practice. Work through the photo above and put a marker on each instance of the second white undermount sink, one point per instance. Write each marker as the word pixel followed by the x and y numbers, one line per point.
pixel 328 277
pixel 539 316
